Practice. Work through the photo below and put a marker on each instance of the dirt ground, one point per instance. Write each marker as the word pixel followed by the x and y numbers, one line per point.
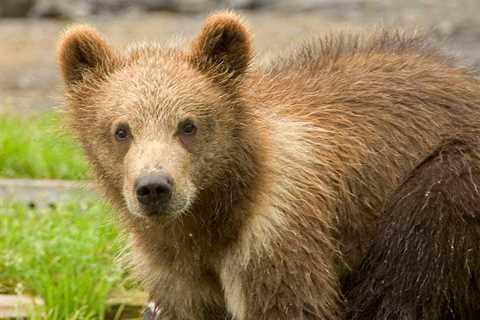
pixel 28 74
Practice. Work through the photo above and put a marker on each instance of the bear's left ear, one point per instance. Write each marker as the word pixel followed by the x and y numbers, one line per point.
pixel 83 51
pixel 223 45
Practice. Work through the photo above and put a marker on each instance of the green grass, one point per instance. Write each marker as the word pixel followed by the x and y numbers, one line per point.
pixel 65 255
pixel 36 147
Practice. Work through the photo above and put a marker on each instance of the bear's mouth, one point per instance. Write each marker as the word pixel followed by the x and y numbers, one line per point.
pixel 160 212
pixel 154 212
pixel 151 213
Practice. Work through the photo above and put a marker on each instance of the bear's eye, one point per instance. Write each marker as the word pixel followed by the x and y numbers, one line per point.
pixel 187 128
pixel 122 133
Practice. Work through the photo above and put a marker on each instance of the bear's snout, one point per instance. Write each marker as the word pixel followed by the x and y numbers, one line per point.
pixel 154 191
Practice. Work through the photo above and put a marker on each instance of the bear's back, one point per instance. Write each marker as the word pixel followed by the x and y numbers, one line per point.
pixel 368 108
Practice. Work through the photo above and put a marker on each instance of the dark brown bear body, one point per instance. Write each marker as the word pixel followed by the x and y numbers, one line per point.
pixel 423 262
pixel 252 192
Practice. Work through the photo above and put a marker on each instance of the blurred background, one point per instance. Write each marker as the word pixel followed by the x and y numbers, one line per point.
pixel 59 245
pixel 29 29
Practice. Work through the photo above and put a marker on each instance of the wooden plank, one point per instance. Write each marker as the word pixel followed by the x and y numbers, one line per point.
pixel 129 303
pixel 17 307
pixel 43 193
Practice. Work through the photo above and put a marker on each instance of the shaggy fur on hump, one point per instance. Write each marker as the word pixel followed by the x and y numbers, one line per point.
pixel 423 263
pixel 314 144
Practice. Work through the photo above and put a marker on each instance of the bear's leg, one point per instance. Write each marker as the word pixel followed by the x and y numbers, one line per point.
pixel 425 260
pixel 288 277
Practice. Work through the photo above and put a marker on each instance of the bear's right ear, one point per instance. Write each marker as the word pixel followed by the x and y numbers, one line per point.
pixel 82 50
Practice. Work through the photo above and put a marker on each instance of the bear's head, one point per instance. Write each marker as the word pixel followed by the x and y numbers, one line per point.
pixel 161 127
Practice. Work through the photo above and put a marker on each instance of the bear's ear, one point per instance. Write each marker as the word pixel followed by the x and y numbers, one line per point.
pixel 81 50
pixel 223 45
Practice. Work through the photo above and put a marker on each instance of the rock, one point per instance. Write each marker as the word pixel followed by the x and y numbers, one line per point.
pixel 109 6
pixel 196 5
pixel 292 6
pixel 15 8
pixel 306 5
pixel 79 8
pixel 62 8
pixel 248 4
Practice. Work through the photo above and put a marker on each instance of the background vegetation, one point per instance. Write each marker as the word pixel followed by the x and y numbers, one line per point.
pixel 36 147
pixel 66 255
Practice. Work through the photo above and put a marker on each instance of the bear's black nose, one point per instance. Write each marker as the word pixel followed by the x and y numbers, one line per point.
pixel 154 190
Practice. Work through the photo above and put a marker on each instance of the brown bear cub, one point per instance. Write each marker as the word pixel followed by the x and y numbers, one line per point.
pixel 252 191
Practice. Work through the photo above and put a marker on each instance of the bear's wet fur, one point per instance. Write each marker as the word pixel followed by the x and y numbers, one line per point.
pixel 423 262
pixel 278 172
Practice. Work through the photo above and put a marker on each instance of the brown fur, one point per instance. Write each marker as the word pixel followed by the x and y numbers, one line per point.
pixel 278 194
